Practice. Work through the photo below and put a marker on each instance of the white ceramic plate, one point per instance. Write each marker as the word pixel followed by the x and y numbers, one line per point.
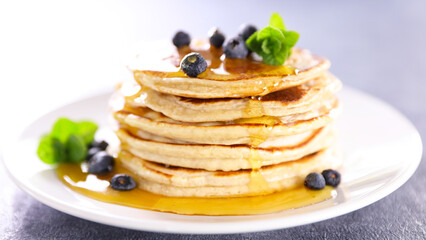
pixel 381 148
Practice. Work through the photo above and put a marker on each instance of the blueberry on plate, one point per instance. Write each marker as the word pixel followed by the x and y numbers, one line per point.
pixel 101 163
pixel 315 181
pixel 99 144
pixel 122 182
pixel 181 39
pixel 246 31
pixel 332 177
pixel 92 151
pixel 236 48
pixel 216 37
pixel 193 64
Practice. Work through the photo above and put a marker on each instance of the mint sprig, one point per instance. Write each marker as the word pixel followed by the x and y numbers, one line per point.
pixel 67 142
pixel 273 43
pixel 50 150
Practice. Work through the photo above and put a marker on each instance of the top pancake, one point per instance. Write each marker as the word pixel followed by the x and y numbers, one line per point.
pixel 157 67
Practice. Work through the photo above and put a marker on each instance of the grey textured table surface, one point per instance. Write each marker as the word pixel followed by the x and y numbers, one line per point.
pixel 377 47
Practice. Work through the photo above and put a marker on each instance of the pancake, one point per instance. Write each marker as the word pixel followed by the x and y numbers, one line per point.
pixel 157 67
pixel 178 181
pixel 241 131
pixel 279 141
pixel 297 99
pixel 240 128
pixel 222 157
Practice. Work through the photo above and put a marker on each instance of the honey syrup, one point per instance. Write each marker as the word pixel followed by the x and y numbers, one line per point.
pixel 257 135
pixel 76 177
pixel 219 67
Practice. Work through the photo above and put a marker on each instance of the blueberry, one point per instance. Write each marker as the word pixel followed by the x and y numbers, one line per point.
pixel 236 48
pixel 332 177
pixel 181 39
pixel 101 163
pixel 122 182
pixel 216 38
pixel 92 151
pixel 193 64
pixel 315 181
pixel 96 144
pixel 246 31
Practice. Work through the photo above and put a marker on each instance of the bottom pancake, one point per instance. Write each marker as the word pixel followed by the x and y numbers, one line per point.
pixel 185 182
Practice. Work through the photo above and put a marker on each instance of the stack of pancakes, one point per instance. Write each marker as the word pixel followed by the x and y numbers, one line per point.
pixel 241 128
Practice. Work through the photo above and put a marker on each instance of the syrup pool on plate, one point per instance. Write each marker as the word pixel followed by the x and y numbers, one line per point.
pixel 77 178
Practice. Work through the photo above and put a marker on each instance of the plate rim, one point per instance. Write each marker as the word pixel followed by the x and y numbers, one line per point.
pixel 215 227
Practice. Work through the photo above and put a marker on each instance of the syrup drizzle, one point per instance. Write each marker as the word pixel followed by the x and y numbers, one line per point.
pixel 218 67
pixel 257 183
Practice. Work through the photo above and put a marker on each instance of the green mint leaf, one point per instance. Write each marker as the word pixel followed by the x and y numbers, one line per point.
pixel 63 128
pixel 253 44
pixel 277 22
pixel 273 43
pixel 50 150
pixel 60 150
pixel 76 149
pixel 270 32
pixel 291 38
pixel 87 130
pixel 277 58
pixel 67 142
pixel 269 44
pixel 283 54
pixel 265 47
pixel 288 53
